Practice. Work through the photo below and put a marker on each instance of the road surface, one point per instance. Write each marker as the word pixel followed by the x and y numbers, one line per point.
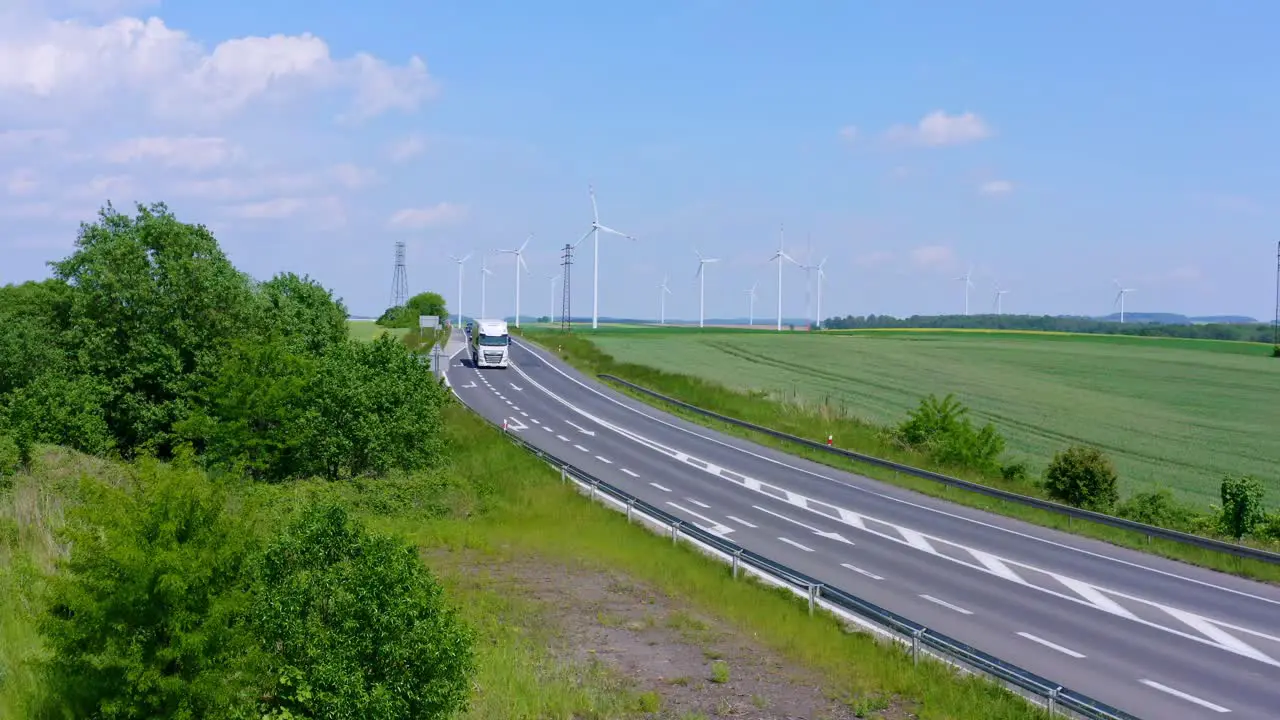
pixel 1153 637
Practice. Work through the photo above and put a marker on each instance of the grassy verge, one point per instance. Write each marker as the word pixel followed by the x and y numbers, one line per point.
pixel 494 508
pixel 801 420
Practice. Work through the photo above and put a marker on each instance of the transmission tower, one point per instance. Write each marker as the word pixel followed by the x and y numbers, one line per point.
pixel 400 280
pixel 1275 324
pixel 566 315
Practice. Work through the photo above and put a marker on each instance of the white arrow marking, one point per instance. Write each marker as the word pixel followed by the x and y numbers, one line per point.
pixel 517 387
pixel 469 385
pixel 581 429
pixel 514 424
pixel 820 533
pixel 716 527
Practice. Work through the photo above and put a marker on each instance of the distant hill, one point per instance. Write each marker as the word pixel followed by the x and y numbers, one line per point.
pixel 1178 319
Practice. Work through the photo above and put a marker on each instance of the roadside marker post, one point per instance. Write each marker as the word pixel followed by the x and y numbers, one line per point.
pixel 830 440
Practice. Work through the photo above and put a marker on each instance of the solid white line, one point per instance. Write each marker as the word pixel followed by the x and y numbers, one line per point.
pixel 1055 646
pixel 629 472
pixel 1184 696
pixel 563 438
pixel 579 428
pixel 582 448
pixel 604 460
pixel 740 521
pixel 871 575
pixel 699 504
pixel 793 542
pixel 946 604
pixel 663 489
pixel 780 516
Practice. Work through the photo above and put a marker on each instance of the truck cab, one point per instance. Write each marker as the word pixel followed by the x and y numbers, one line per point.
pixel 490 344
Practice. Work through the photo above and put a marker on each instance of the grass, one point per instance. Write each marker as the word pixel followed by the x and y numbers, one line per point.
pixel 368 330
pixel 495 503
pixel 780 411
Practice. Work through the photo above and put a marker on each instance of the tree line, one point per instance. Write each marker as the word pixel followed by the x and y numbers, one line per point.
pixel 1256 332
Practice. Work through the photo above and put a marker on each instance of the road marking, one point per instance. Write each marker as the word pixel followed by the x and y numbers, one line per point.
pixel 580 429
pixel 871 575
pixel 716 527
pixel 1095 598
pixel 1055 646
pixel 740 521
pixel 946 604
pixel 515 407
pixel 563 438
pixel 1184 696
pixel 508 402
pixel 997 566
pixel 821 533
pixel 917 540
pixel 629 472
pixel 536 422
pixel 517 425
pixel 604 460
pixel 544 427
pixel 516 387
pixel 582 448
pixel 698 503
pixel 663 489
pixel 523 413
pixel 793 542
pixel 469 385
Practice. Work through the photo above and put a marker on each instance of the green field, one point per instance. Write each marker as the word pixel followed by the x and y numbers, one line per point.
pixel 1172 413
pixel 368 330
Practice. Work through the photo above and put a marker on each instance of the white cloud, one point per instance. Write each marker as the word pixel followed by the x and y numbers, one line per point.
pixel 996 187
pixel 933 256
pixel 407 148
pixel 325 212
pixel 21 182
pixel 848 133
pixel 418 218
pixel 190 152
pixel 270 209
pixel 938 129
pixel 73 65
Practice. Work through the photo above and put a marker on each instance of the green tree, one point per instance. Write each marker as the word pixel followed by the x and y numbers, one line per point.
pixel 356 627
pixel 1242 508
pixel 146 618
pixel 61 409
pixel 1084 477
pixel 427 303
pixel 303 313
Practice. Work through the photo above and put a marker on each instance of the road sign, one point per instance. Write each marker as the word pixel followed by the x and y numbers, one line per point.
pixel 428 321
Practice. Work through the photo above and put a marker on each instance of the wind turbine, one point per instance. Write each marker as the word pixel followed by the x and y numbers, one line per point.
pixel 553 279
pixel 519 253
pixel 751 297
pixel 968 283
pixel 460 261
pixel 702 281
pixel 780 256
pixel 999 297
pixel 822 275
pixel 663 292
pixel 1120 297
pixel 595 230
pixel 485 272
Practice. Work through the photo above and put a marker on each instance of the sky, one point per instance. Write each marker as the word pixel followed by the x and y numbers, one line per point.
pixel 1052 147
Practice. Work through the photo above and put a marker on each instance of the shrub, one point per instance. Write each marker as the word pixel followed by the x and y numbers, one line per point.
pixel 62 410
pixel 146 618
pixel 356 627
pixel 1270 530
pixel 10 457
pixel 1242 508
pixel 1083 477
pixel 1158 508
pixel 1014 472
pixel 941 429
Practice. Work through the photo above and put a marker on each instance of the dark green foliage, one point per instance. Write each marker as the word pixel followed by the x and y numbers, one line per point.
pixel 1166 327
pixel 302 313
pixel 10 457
pixel 406 316
pixel 146 618
pixel 356 627
pixel 1015 472
pixel 1084 477
pixel 1275 351
pixel 60 409
pixel 1242 509
pixel 941 428
pixel 1158 508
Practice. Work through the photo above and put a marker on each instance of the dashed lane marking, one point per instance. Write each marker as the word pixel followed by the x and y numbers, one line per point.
pixel 859 570
pixel 630 473
pixel 740 521
pixel 789 541
pixel 663 489
pixel 699 503
pixel 1051 645
pixel 947 605
pixel 715 527
pixel 604 460
pixel 1179 694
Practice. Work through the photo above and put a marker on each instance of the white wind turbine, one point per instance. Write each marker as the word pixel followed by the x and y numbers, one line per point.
pixel 968 283
pixel 520 264
pixel 822 275
pixel 1120 297
pixel 460 261
pixel 751 306
pixel 702 281
pixel 999 299
pixel 780 256
pixel 485 272
pixel 596 229
pixel 663 292
pixel 552 306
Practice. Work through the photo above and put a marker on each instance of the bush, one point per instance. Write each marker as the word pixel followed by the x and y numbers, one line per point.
pixel 146 619
pixel 1242 508
pixel 1014 472
pixel 1270 530
pixel 61 410
pixel 941 429
pixel 356 627
pixel 1083 477
pixel 10 457
pixel 1160 509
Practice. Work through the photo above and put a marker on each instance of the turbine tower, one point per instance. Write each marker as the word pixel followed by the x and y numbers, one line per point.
pixel 596 229
pixel 751 304
pixel 663 292
pixel 781 256
pixel 999 298
pixel 1120 297
pixel 485 272
pixel 551 316
pixel 968 283
pixel 399 279
pixel 822 275
pixel 520 264
pixel 460 261
pixel 702 281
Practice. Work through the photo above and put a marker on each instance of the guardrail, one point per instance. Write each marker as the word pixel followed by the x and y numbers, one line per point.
pixel 1205 543
pixel 919 639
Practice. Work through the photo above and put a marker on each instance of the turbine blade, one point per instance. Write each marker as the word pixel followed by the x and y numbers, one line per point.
pixel 616 232
pixel 584 237
pixel 525 244
pixel 595 213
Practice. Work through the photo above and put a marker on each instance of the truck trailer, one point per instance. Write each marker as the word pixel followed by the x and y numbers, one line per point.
pixel 490 344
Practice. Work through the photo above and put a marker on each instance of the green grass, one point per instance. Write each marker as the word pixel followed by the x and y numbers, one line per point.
pixel 1171 413
pixel 815 420
pixel 368 330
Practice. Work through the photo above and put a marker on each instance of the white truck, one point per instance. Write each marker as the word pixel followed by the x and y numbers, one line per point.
pixel 490 344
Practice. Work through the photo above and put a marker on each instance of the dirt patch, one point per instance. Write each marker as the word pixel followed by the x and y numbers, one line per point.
pixel 687 664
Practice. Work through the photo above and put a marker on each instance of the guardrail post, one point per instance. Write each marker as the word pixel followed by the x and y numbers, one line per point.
pixel 675 529
pixel 594 486
pixel 915 646
pixel 1053 701
pixel 630 504
pixel 813 597
pixel 737 557
pixel 563 476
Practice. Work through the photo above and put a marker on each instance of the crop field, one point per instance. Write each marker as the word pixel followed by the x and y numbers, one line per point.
pixel 368 330
pixel 1170 412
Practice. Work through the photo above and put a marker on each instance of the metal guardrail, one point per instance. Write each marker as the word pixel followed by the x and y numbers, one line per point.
pixel 920 639
pixel 1205 543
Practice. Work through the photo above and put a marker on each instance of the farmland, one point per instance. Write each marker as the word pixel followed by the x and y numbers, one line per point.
pixel 1171 413
pixel 368 330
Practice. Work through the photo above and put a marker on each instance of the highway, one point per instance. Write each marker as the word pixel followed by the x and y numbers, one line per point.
pixel 1156 638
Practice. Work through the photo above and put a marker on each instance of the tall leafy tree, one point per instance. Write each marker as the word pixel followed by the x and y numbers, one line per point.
pixel 303 313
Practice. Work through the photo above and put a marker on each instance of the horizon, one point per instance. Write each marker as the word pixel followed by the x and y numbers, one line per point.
pixel 1052 153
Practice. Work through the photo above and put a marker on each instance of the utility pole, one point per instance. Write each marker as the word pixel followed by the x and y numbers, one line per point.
pixel 1275 324
pixel 566 314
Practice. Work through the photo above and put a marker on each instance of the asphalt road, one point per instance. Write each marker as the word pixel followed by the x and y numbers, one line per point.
pixel 1156 638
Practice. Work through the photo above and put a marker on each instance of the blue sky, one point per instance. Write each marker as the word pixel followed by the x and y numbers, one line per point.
pixel 1069 144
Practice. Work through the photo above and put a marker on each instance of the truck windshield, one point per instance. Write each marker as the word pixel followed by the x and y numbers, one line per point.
pixel 498 340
